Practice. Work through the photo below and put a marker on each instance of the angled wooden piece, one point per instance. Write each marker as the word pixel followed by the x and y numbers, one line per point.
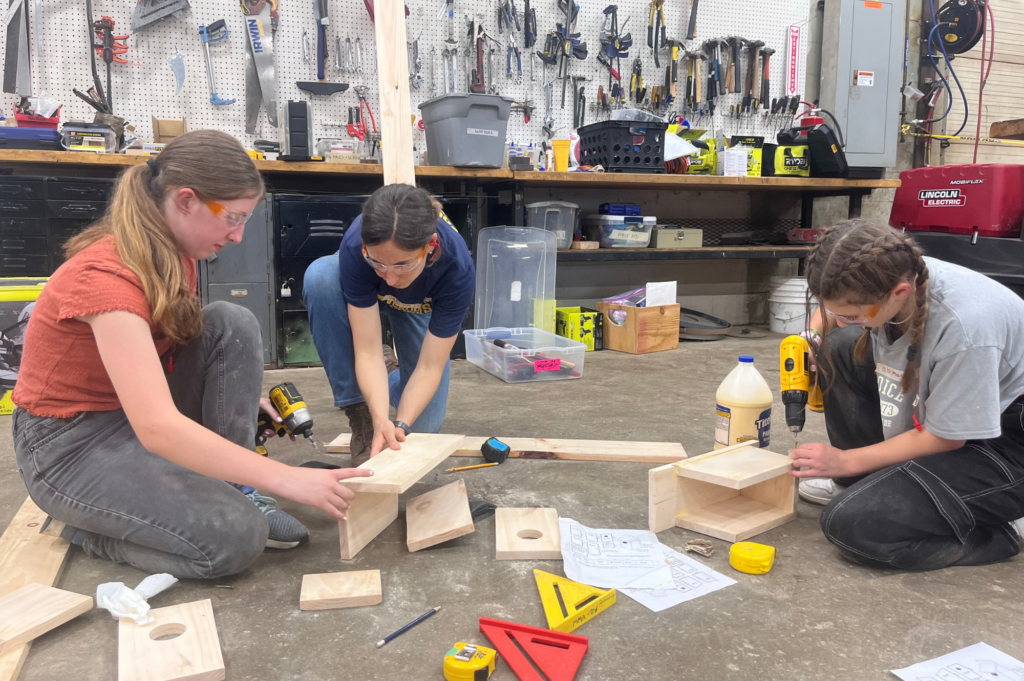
pixel 192 655
pixel 367 516
pixel 549 448
pixel 733 493
pixel 395 471
pixel 738 468
pixel 340 590
pixel 26 556
pixel 438 516
pixel 527 534
pixel 34 609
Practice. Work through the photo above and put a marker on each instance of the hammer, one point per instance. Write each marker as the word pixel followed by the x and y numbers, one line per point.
pixel 766 54
pixel 753 82
pixel 675 46
pixel 733 77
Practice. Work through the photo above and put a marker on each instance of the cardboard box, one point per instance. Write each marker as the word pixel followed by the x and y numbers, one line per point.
pixel 676 237
pixel 643 329
pixel 581 324
pixel 164 131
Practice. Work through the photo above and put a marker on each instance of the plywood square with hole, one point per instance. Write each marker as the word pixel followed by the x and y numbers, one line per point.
pixel 527 534
pixel 181 644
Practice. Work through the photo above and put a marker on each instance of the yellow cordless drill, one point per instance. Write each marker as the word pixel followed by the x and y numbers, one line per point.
pixel 295 417
pixel 796 382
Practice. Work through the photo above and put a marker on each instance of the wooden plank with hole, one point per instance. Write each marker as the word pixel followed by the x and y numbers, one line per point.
pixel 395 471
pixel 527 534
pixel 367 516
pixel 550 448
pixel 181 644
pixel 340 590
pixel 438 516
pixel 26 556
pixel 34 609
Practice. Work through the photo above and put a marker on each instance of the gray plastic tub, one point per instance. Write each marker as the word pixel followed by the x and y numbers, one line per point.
pixel 466 130
pixel 555 216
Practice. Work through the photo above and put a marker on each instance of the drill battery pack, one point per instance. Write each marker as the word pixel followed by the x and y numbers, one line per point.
pixel 827 156
pixel 785 161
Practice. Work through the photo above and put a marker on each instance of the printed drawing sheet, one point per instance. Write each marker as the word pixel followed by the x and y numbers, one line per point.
pixel 637 564
pixel 980 662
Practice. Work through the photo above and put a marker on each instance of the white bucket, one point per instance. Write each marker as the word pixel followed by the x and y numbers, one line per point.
pixel 787 285
pixel 788 313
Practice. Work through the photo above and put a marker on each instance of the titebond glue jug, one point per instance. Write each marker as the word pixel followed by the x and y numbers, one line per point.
pixel 743 412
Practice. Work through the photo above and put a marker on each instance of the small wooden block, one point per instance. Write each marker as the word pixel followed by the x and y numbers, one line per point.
pixel 585 245
pixel 438 516
pixel 340 590
pixel 367 516
pixel 192 655
pixel 736 469
pixel 527 534
pixel 395 471
pixel 35 609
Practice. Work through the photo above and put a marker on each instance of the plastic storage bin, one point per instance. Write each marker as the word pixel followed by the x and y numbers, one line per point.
pixel 555 216
pixel 466 130
pixel 619 231
pixel 526 354
pixel 514 337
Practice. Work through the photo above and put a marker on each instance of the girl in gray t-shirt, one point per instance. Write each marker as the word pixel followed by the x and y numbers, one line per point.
pixel 921 364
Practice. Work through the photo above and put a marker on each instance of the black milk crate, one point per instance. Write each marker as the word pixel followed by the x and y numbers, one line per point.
pixel 624 146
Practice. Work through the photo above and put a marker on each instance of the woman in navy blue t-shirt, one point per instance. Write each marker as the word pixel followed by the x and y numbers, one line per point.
pixel 404 254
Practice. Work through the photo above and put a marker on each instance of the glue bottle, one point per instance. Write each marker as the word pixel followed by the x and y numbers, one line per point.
pixel 743 412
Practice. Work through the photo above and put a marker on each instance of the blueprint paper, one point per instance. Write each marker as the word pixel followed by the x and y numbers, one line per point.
pixel 608 559
pixel 980 662
pixel 681 580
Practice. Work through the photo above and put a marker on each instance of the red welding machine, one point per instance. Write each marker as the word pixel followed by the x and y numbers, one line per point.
pixel 981 200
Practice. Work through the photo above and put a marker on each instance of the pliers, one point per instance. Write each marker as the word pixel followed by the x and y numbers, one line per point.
pixel 656 32
pixel 530 25
pixel 508 16
pixel 636 82
pixel 513 49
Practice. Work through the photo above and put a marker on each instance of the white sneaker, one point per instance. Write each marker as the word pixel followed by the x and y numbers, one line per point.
pixel 820 491
pixel 1019 526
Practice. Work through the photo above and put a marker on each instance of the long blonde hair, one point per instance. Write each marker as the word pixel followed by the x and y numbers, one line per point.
pixel 211 163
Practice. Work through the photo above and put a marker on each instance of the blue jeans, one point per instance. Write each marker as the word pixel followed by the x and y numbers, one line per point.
pixel 332 335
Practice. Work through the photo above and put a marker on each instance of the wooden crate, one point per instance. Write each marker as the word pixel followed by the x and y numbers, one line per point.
pixel 732 494
pixel 646 329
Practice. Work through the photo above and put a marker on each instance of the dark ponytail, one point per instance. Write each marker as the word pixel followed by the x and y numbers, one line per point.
pixel 401 213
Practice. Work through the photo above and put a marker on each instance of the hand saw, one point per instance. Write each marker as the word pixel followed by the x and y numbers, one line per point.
pixel 17 64
pixel 260 78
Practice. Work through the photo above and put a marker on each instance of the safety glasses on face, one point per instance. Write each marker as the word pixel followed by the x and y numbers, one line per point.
pixel 860 320
pixel 233 218
pixel 398 268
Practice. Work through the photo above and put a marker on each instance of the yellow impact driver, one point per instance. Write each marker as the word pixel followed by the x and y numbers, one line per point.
pixel 796 382
pixel 296 418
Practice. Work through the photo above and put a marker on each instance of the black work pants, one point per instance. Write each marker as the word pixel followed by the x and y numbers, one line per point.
pixel 936 511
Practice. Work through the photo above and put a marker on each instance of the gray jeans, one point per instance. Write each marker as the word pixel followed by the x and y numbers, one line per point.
pixel 91 471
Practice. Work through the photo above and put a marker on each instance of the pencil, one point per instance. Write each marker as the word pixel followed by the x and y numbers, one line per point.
pixel 384 641
pixel 469 468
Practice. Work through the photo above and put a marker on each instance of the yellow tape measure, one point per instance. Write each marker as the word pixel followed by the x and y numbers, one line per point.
pixel 754 559
pixel 468 662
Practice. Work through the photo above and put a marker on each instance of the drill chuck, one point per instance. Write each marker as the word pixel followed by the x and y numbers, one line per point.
pixel 796 413
pixel 300 422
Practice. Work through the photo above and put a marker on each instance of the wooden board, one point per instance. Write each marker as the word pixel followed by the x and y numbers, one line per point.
pixel 695 182
pixel 194 655
pixel 438 516
pixel 34 609
pixel 737 468
pixel 26 556
pixel 340 590
pixel 734 519
pixel 367 516
pixel 395 99
pixel 575 450
pixel 662 498
pixel 395 471
pixel 1007 130
pixel 527 534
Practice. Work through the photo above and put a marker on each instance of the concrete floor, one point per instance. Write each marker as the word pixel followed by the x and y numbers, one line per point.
pixel 815 616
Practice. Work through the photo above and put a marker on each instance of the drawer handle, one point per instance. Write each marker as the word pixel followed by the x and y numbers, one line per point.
pixel 7 208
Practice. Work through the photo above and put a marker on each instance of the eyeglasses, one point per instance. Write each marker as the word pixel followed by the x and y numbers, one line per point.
pixel 860 320
pixel 233 218
pixel 398 268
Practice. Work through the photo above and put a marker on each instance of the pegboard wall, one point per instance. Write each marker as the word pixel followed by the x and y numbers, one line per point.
pixel 145 85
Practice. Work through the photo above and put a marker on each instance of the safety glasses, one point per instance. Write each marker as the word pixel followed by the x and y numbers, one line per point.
pixel 398 268
pixel 860 320
pixel 234 219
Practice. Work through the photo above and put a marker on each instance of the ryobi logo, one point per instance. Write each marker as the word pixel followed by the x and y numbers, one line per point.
pixel 255 35
pixel 793 162
pixel 942 198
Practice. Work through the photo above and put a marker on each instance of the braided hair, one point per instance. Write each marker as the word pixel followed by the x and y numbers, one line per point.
pixel 860 262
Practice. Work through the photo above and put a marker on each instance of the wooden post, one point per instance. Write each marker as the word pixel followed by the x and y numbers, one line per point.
pixel 393 83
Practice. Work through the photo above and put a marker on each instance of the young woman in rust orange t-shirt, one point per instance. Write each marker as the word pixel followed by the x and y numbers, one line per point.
pixel 135 404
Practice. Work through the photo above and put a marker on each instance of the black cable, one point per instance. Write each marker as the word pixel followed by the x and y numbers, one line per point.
pixel 952 71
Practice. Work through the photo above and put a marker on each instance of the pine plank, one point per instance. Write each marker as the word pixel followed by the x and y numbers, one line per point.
pixel 395 471
pixel 568 450
pixel 367 516
pixel 340 590
pixel 438 516
pixel 33 610
pixel 194 655
pixel 26 556
pixel 395 98
pixel 662 498
pixel 734 519
pixel 738 468
pixel 527 534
